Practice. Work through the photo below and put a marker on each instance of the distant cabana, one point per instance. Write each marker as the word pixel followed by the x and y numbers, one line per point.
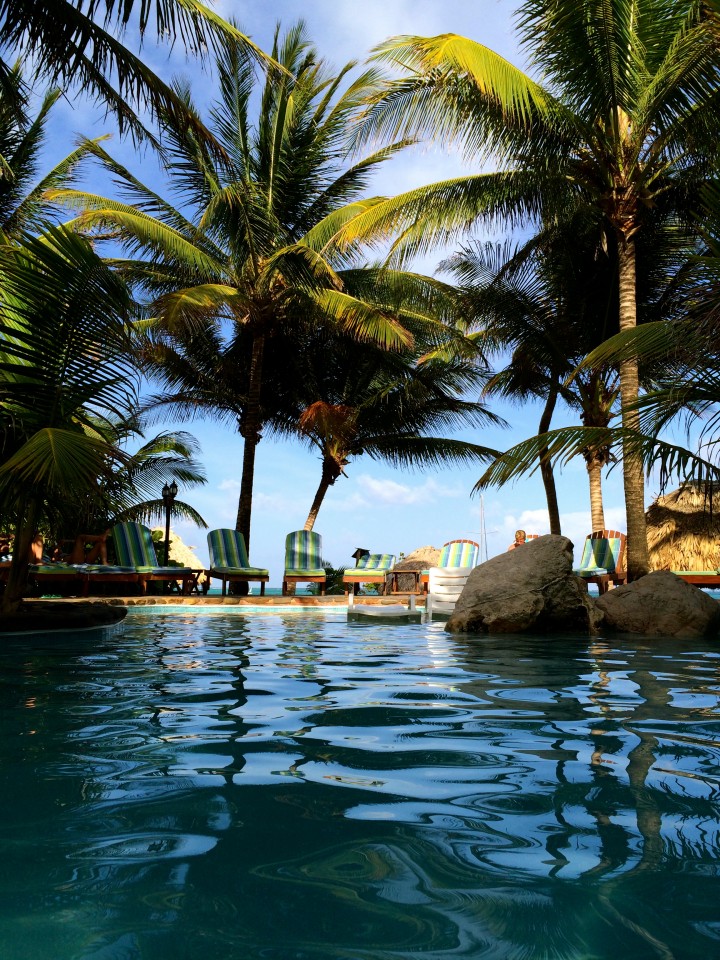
pixel 683 533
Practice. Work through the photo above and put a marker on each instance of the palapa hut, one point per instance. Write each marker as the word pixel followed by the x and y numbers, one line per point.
pixel 683 531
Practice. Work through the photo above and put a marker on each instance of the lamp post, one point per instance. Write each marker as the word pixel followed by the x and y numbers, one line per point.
pixel 168 494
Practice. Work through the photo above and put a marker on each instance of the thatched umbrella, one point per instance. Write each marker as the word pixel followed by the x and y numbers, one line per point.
pixel 420 559
pixel 683 530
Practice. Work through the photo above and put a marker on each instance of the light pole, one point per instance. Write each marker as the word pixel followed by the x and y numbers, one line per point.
pixel 168 494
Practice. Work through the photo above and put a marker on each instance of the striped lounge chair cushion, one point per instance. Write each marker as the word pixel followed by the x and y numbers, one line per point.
pixel 303 554
pixel 134 548
pixel 458 553
pixel 228 554
pixel 377 564
pixel 599 556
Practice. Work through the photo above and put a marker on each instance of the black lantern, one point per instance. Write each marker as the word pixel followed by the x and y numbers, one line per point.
pixel 168 494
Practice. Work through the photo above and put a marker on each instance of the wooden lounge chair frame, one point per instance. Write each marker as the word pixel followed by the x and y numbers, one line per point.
pixel 699 579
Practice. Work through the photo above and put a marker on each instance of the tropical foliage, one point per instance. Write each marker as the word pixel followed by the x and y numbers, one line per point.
pixel 65 365
pixel 259 305
pixel 346 400
pixel 246 262
pixel 621 130
pixel 131 489
pixel 78 43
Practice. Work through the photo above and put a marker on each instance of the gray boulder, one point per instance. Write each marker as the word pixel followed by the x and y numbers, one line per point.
pixel 528 590
pixel 661 605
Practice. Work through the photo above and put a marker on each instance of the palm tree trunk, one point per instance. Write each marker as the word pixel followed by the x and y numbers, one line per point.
pixel 250 431
pixel 597 513
pixel 638 563
pixel 546 470
pixel 327 479
pixel 18 575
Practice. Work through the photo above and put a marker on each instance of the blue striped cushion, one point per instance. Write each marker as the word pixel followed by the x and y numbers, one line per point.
pixel 380 561
pixel 227 549
pixel 303 552
pixel 458 553
pixel 600 555
pixel 248 571
pixel 134 545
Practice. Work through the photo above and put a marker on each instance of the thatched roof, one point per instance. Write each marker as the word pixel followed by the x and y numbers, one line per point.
pixel 683 533
pixel 419 559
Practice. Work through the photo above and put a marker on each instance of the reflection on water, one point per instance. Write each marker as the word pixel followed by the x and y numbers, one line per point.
pixel 292 787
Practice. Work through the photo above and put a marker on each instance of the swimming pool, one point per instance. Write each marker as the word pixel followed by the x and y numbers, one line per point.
pixel 232 786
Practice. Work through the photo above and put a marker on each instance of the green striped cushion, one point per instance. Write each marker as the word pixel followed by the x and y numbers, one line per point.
pixel 696 573
pixel 227 549
pixel 361 575
pixel 306 572
pixel 134 545
pixel 247 571
pixel 458 553
pixel 380 561
pixel 600 555
pixel 303 552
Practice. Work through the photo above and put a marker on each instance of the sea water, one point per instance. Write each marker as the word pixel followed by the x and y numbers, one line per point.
pixel 287 786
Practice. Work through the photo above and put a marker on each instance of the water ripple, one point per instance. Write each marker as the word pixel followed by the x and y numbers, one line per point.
pixel 293 787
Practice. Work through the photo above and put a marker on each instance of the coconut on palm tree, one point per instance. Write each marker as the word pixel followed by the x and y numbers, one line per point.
pixel 621 124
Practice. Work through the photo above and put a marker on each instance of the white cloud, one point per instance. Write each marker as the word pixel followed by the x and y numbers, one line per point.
pixel 392 492
pixel 229 484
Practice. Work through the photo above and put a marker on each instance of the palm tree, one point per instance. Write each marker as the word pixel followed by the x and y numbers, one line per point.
pixel 24 206
pixel 623 126
pixel 65 362
pixel 684 344
pixel 549 303
pixel 130 489
pixel 347 400
pixel 250 264
pixel 77 43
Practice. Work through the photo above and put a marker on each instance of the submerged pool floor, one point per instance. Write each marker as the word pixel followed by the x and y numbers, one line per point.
pixel 284 786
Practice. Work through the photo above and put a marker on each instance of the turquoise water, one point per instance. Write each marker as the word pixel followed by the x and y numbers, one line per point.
pixel 282 785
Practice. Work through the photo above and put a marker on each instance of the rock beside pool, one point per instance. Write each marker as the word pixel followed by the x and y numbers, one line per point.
pixel 528 590
pixel 47 617
pixel 662 605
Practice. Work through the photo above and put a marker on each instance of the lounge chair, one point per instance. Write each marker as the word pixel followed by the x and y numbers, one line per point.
pixel 371 568
pixel 134 549
pixel 455 555
pixel 303 560
pixel 80 576
pixel 445 584
pixel 699 578
pixel 229 560
pixel 603 559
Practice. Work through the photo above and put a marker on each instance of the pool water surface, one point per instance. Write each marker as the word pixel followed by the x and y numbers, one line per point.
pixel 288 786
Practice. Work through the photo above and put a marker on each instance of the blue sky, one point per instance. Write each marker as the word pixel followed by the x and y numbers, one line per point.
pixel 377 507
